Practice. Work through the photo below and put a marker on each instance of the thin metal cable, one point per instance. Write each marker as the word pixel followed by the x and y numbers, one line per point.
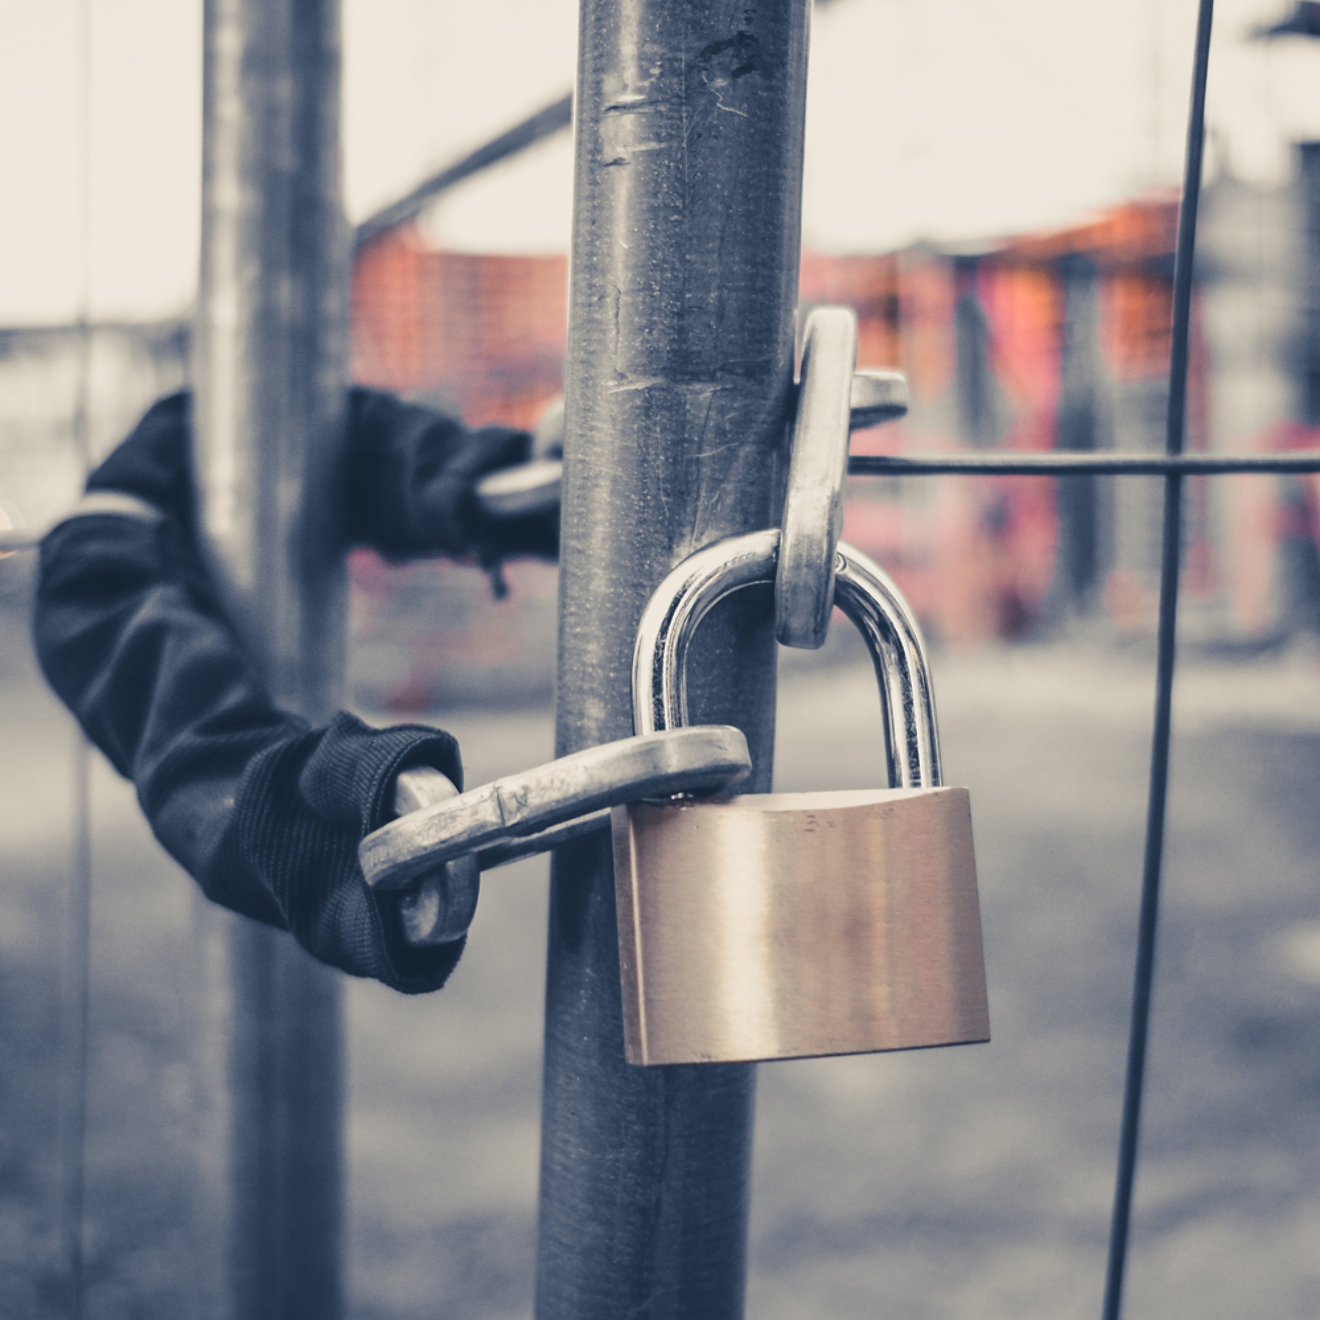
pixel 1143 977
pixel 1052 463
pixel 1065 463
pixel 74 1032
pixel 75 996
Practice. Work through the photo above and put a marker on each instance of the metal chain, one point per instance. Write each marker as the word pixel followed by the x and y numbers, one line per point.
pixel 818 468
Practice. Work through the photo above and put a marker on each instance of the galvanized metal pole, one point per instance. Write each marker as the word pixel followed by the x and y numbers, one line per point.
pixel 684 284
pixel 270 375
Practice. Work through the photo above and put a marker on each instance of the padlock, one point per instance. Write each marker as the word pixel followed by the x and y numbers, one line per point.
pixel 787 925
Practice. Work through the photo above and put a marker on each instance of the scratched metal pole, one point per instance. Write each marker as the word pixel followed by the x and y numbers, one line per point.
pixel 684 281
pixel 270 374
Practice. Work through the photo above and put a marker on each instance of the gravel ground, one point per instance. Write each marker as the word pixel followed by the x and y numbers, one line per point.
pixel 957 1183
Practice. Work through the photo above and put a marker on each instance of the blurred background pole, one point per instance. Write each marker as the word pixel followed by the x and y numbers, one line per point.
pixel 270 374
pixel 1308 158
pixel 1077 558
pixel 684 283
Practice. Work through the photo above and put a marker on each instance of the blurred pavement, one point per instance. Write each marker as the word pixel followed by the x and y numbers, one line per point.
pixel 954 1184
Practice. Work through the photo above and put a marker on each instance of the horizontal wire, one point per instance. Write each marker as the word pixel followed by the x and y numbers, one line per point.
pixel 1064 463
pixel 1054 463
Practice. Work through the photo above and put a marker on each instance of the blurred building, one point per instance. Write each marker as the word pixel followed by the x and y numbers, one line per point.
pixel 486 332
pixel 1056 340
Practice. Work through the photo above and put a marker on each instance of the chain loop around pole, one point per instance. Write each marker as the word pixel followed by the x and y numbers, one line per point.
pixel 519 814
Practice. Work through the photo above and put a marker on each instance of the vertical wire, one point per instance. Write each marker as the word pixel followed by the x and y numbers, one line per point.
pixel 75 998
pixel 1175 436
pixel 75 1032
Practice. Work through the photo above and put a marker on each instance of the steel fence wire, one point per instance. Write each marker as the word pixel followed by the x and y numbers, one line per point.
pixel 75 986
pixel 1171 558
pixel 1061 463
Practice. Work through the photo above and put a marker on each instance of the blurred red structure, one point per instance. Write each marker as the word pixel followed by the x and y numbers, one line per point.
pixel 485 331
pixel 1052 340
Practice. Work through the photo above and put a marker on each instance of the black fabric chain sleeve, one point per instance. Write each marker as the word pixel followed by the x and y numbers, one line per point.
pixel 408 479
pixel 410 476
pixel 264 812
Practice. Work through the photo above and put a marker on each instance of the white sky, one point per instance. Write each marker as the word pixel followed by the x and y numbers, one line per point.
pixel 950 119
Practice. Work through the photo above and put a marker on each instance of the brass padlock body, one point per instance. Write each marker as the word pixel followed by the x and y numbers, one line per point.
pixel 785 925
pixel 788 925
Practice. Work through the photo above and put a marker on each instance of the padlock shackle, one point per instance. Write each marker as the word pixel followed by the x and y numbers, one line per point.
pixel 862 590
